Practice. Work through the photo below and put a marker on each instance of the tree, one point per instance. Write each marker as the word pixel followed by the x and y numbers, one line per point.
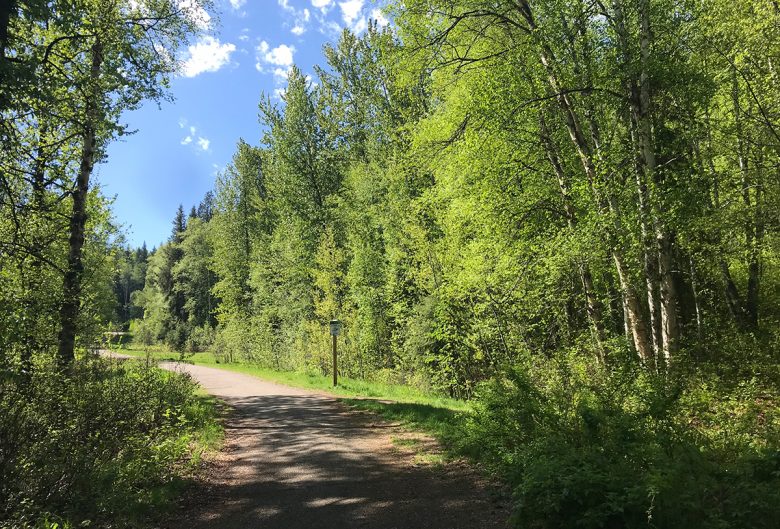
pixel 129 53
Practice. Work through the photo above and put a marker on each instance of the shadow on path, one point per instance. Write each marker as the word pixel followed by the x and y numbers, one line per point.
pixel 306 461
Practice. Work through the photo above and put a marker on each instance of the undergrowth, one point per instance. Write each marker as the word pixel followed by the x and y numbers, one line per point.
pixel 104 445
pixel 580 446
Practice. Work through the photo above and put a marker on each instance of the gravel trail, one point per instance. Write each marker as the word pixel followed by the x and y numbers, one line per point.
pixel 298 459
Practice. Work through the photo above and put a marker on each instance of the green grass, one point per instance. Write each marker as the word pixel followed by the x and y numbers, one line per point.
pixel 409 407
pixel 208 437
pixel 348 387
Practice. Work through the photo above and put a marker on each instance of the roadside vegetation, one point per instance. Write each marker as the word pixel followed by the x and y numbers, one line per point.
pixel 563 213
pixel 706 454
pixel 109 445
pixel 83 443
pixel 347 387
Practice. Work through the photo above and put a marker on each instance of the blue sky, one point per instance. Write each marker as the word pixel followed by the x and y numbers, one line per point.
pixel 178 148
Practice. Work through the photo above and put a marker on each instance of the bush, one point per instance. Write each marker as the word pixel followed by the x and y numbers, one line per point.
pixel 586 448
pixel 103 443
pixel 176 337
pixel 144 334
pixel 200 339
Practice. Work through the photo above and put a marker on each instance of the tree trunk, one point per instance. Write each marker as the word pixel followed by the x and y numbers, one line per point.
pixel 71 300
pixel 754 264
pixel 696 302
pixel 7 12
pixel 607 204
pixel 649 252
pixel 670 328
pixel 731 293
pixel 659 269
pixel 33 275
pixel 594 309
pixel 752 213
pixel 636 323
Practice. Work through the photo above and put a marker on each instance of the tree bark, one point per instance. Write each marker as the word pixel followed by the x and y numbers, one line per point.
pixel 33 275
pixel 696 302
pixel 659 256
pixel 670 328
pixel 71 301
pixel 607 204
pixel 594 309
pixel 734 301
pixel 7 11
pixel 753 222
pixel 636 322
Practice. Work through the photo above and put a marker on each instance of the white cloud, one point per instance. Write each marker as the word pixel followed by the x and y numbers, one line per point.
pixel 281 55
pixel 206 55
pixel 202 142
pixel 354 17
pixel 329 28
pixel 300 17
pixel 281 74
pixel 350 10
pixel 277 61
pixel 360 26
pixel 195 13
pixel 322 5
pixel 380 18
pixel 237 4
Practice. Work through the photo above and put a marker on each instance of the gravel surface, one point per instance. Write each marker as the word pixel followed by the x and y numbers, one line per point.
pixel 298 459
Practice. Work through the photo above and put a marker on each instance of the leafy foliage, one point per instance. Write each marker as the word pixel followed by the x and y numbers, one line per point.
pixel 627 450
pixel 103 445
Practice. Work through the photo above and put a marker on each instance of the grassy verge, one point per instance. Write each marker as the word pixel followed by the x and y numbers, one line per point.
pixel 438 416
pixel 348 387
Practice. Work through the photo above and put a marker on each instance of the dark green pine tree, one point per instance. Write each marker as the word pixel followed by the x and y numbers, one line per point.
pixel 179 225
pixel 175 334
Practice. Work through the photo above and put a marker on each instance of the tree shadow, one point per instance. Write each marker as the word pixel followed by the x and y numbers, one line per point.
pixel 443 423
pixel 308 461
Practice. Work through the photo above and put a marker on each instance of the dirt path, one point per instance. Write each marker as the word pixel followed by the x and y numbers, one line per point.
pixel 297 459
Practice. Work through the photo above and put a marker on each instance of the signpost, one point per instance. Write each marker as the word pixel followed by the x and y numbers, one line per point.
pixel 335 330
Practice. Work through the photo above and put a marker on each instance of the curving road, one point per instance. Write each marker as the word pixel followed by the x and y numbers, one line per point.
pixel 298 459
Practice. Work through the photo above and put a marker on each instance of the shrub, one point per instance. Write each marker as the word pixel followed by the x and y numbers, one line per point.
pixel 200 339
pixel 104 442
pixel 586 448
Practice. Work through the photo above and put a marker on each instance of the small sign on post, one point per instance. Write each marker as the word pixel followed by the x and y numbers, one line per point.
pixel 335 330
